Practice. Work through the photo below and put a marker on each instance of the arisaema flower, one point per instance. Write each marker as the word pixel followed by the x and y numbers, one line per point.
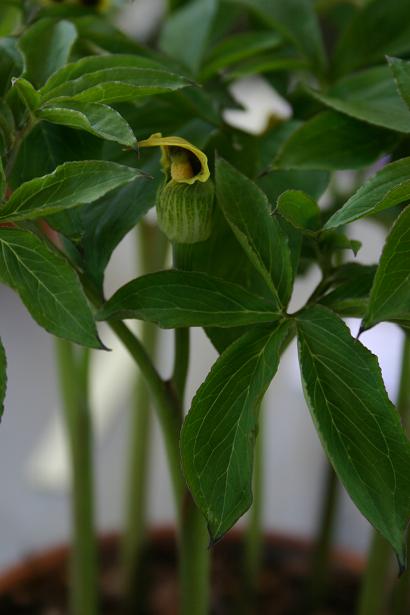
pixel 185 201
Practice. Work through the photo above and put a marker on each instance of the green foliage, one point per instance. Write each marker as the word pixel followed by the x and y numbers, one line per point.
pixel 77 95
pixel 259 234
pixel 47 285
pixel 333 141
pixel 95 118
pixel 46 47
pixel 387 188
pixel 219 433
pixel 358 425
pixel 70 185
pixel 174 299
pixel 390 294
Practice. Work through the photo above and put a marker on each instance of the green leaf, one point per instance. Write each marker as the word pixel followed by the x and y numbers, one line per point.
pixel 370 96
pixel 3 180
pixel 100 32
pixel 295 19
pixel 238 47
pixel 186 32
pixel 248 213
pixel 390 294
pixel 47 285
pixel 94 64
pixel 349 289
pixel 99 120
pixel 299 209
pixel 358 425
pixel 11 62
pixel 10 18
pixel 387 188
pixel 332 141
pixel 187 299
pixel 28 95
pixel 218 435
pixel 70 185
pixel 401 73
pixel 123 84
pixel 378 29
pixel 46 46
pixel 3 377
pixel 314 183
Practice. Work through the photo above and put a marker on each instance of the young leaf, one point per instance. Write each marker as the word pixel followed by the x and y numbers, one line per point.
pixel 299 209
pixel 188 299
pixel 47 285
pixel 46 46
pixel 28 95
pixel 379 28
pixel 99 120
pixel 401 73
pixel 390 294
pixel 295 19
pixel 349 289
pixel 387 188
pixel 218 435
pixel 247 211
pixel 3 377
pixel 332 141
pixel 70 185
pixel 186 32
pixel 358 425
pixel 370 96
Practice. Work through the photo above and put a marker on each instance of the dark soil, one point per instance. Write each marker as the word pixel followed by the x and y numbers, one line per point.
pixel 40 587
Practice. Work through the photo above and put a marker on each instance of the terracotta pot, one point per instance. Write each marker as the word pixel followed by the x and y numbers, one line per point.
pixel 287 561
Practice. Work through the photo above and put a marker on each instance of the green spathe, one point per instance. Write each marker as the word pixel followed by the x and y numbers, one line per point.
pixel 185 211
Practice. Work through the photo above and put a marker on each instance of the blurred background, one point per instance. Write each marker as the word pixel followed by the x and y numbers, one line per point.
pixel 34 510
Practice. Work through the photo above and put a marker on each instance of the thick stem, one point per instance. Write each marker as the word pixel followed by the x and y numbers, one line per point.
pixel 372 599
pixel 374 588
pixel 73 377
pixel 321 554
pixel 254 531
pixel 401 597
pixel 193 560
pixel 152 253
pixel 194 554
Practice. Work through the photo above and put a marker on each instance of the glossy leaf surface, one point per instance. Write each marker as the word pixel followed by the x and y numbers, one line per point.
pixel 188 299
pixel 218 435
pixel 248 213
pixel 70 185
pixel 47 285
pixel 387 188
pixel 357 424
pixel 99 120
pixel 390 294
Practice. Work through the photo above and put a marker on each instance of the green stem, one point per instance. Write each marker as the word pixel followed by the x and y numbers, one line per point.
pixel 164 404
pixel 193 535
pixel 193 560
pixel 401 596
pixel 73 377
pixel 152 253
pixel 321 554
pixel 254 531
pixel 372 600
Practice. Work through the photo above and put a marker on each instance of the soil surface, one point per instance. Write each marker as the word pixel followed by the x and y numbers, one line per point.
pixel 40 587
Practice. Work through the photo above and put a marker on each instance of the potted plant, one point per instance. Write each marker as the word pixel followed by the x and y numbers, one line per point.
pixel 96 129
